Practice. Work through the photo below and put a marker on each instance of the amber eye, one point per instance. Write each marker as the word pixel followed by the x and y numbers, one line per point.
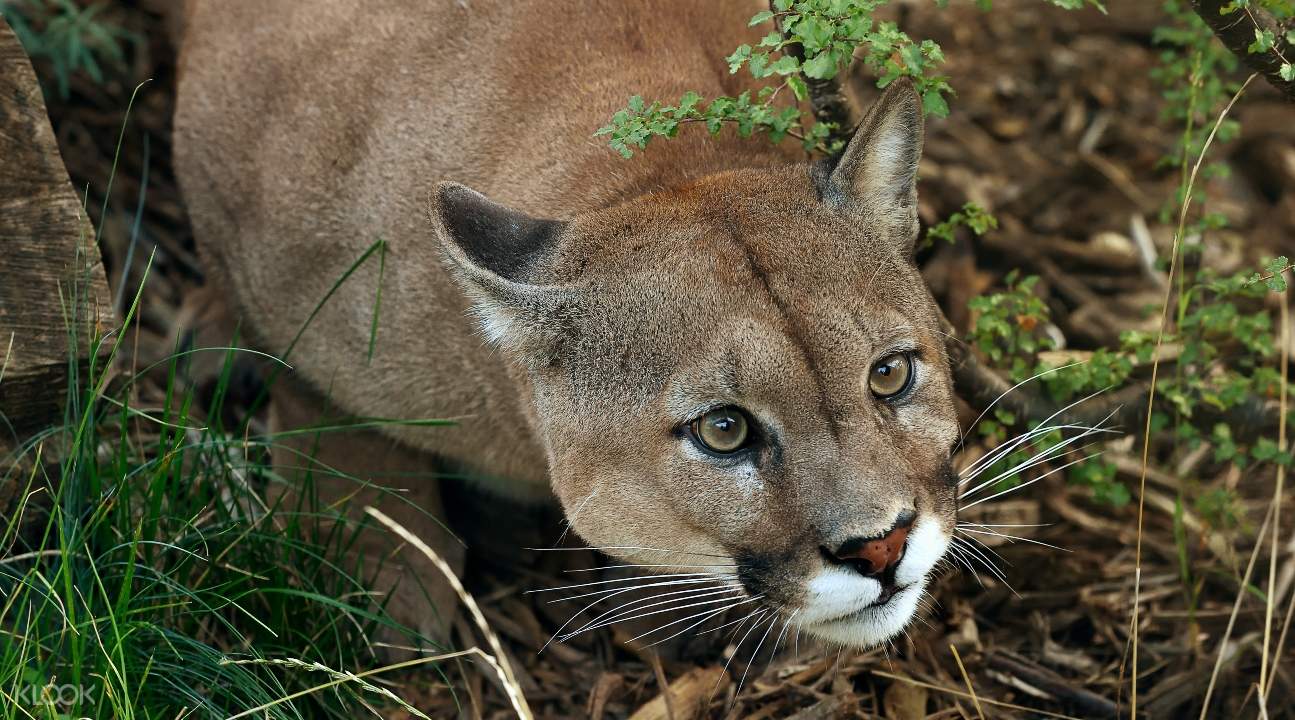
pixel 723 430
pixel 891 375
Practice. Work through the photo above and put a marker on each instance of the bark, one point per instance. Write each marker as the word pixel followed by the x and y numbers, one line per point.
pixel 1236 31
pixel 52 285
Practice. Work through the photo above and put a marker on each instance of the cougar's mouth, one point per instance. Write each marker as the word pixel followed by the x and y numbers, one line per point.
pixel 843 607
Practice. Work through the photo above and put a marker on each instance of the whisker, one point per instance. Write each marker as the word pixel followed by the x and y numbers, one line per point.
pixel 624 608
pixel 1006 525
pixel 696 581
pixel 1014 538
pixel 616 580
pixel 572 517
pixel 672 608
pixel 781 635
pixel 1048 455
pixel 1008 447
pixel 708 613
pixel 738 647
pixel 613 593
pixel 961 562
pixel 622 567
pixel 755 653
pixel 1013 388
pixel 605 548
pixel 988 460
pixel 739 620
pixel 980 543
pixel 1030 482
pixel 975 553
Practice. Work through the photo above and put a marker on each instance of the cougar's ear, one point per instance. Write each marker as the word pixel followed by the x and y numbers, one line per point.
pixel 500 256
pixel 876 175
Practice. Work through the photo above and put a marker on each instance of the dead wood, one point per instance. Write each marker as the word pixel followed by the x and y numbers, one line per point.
pixel 53 291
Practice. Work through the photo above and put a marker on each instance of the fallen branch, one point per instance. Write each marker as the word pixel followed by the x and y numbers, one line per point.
pixel 1236 30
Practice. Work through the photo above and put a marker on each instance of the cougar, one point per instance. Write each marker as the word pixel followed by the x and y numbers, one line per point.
pixel 718 355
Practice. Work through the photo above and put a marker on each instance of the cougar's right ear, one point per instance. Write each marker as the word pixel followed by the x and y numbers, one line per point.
pixel 500 256
pixel 876 175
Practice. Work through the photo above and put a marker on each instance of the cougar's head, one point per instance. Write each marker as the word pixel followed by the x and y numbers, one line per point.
pixel 744 376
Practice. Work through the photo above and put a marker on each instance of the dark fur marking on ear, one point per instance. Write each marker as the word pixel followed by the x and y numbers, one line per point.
pixel 504 241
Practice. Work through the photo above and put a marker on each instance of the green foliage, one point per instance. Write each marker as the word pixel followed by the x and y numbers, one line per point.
pixel 808 40
pixel 973 217
pixel 1197 76
pixel 145 554
pixel 1223 337
pixel 1220 507
pixel 1009 325
pixel 72 38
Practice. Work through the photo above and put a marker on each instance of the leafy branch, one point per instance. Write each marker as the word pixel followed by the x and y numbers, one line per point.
pixel 810 44
pixel 811 41
pixel 1259 33
pixel 972 216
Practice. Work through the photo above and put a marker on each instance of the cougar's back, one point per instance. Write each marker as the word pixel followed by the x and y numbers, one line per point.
pixel 307 132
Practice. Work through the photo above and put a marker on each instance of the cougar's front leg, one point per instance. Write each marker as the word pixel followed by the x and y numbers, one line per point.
pixel 399 482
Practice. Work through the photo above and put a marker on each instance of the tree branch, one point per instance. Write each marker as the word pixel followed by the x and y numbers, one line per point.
pixel 826 100
pixel 1236 31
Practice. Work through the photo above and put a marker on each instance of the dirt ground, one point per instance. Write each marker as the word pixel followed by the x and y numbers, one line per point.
pixel 1056 129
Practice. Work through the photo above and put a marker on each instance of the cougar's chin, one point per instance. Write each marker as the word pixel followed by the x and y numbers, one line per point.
pixel 842 607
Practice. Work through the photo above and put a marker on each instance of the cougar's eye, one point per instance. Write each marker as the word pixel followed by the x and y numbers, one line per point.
pixel 891 375
pixel 723 430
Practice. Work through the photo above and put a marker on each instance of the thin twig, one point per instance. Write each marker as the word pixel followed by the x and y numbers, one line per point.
pixel 959 693
pixel 661 680
pixel 967 679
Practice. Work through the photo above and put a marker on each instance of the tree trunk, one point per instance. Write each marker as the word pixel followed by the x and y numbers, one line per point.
pixel 53 293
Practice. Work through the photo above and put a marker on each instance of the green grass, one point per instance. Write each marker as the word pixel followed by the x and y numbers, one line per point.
pixel 145 571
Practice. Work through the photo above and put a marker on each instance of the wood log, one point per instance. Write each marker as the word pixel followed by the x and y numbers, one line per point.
pixel 53 292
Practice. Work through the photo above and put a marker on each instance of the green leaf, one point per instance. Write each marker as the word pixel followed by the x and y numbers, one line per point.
pixel 798 87
pixel 1264 41
pixel 820 67
pixel 785 65
pixel 739 56
pixel 762 16
pixel 934 104
pixel 1287 72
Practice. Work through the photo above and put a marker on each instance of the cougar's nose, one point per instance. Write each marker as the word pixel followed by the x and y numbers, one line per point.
pixel 879 554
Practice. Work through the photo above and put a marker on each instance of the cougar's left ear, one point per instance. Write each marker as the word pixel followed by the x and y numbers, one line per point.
pixel 876 175
pixel 501 257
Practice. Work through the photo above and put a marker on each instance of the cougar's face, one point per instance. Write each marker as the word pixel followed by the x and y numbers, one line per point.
pixel 761 396
pixel 744 377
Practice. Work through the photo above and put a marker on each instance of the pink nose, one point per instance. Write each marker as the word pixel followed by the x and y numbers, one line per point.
pixel 875 556
pixel 881 554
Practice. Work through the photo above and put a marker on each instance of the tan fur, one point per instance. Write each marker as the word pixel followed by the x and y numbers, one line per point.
pixel 704 272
